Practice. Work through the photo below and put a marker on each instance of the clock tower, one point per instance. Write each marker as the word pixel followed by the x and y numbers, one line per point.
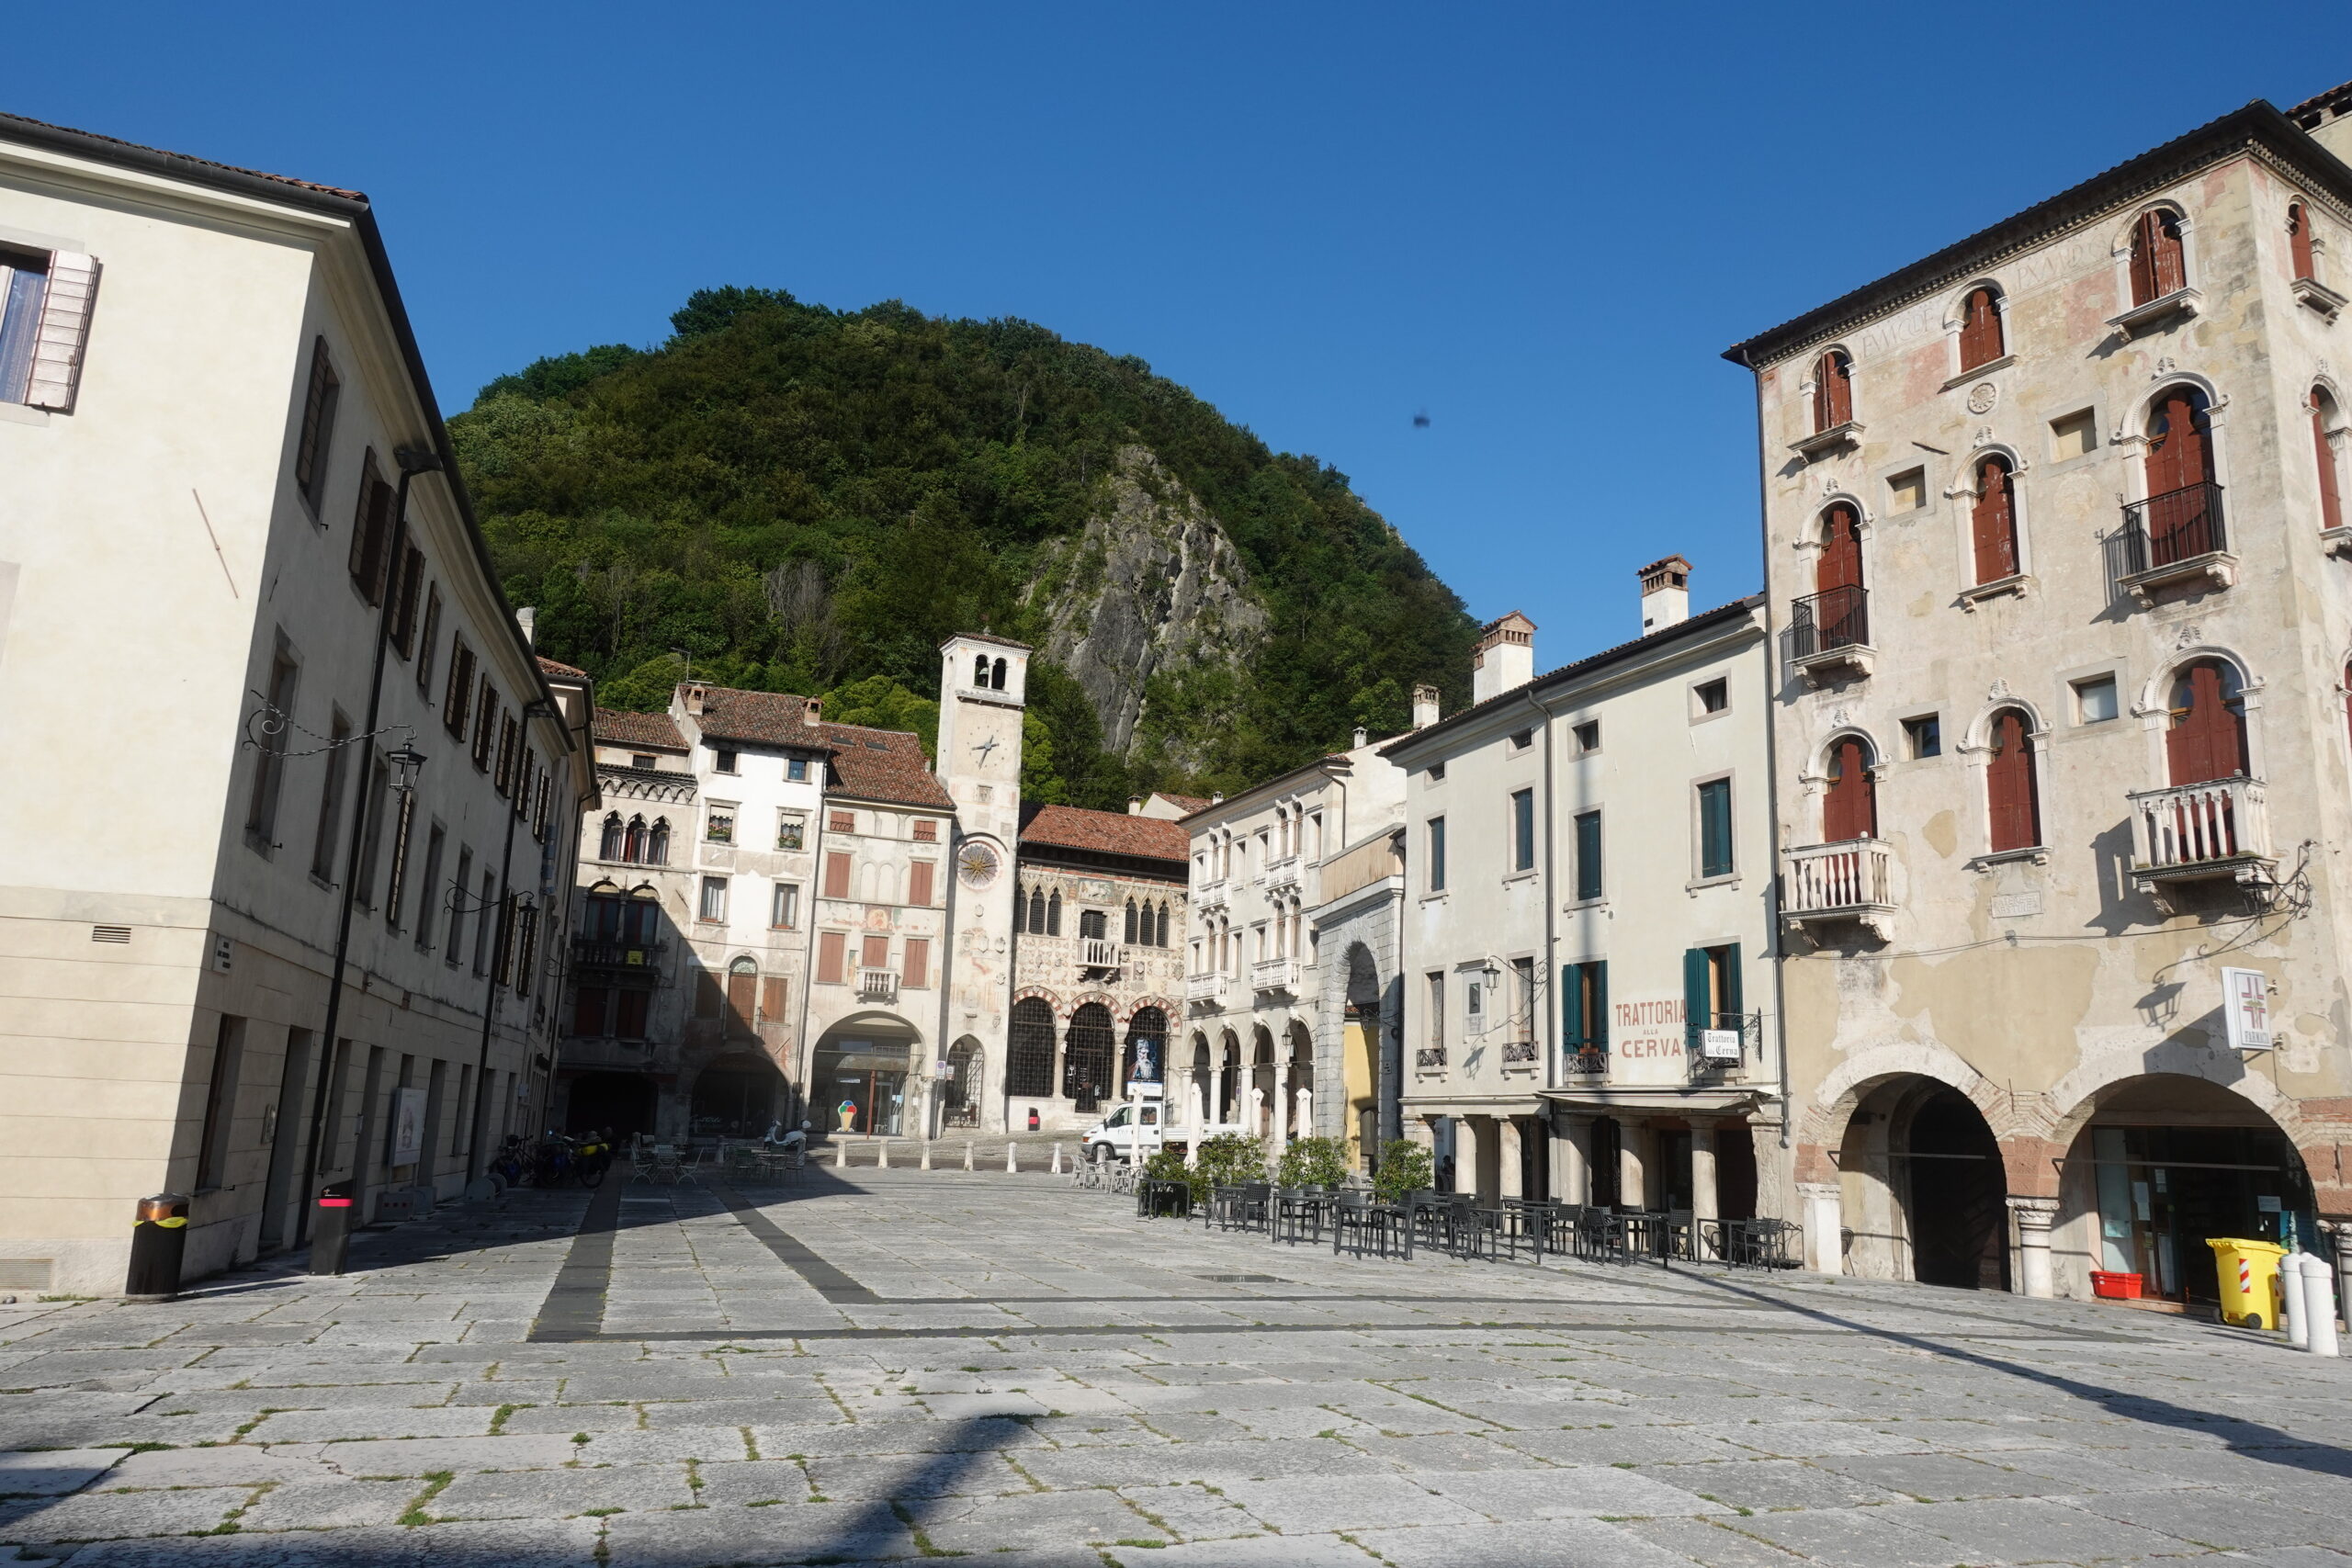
pixel 982 684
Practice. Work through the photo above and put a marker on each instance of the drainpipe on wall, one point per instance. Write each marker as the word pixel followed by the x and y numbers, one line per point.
pixel 1548 885
pixel 1773 928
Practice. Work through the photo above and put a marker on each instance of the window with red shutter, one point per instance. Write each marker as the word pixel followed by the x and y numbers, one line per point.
pixel 634 1005
pixel 771 999
pixel 2158 266
pixel 831 947
pixel 2298 238
pixel 588 1010
pixel 926 832
pixel 837 876
pixel 1850 808
pixel 1833 391
pixel 918 965
pixel 742 989
pixel 842 822
pixel 2331 497
pixel 2205 734
pixel 919 877
pixel 874 952
pixel 2010 784
pixel 1995 521
pixel 1840 562
pixel 1980 330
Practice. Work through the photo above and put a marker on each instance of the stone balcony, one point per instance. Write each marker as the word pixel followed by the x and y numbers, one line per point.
pixel 877 986
pixel 1098 955
pixel 1209 989
pixel 1274 975
pixel 1210 895
pixel 2218 830
pixel 1281 875
pixel 1852 881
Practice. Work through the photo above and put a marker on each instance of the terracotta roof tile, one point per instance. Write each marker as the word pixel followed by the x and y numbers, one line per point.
pixel 615 727
pixel 1189 802
pixel 882 765
pixel 771 718
pixel 1107 832
pixel 556 667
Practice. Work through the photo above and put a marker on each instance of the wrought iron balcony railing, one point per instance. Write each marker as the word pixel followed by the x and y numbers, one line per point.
pixel 1828 622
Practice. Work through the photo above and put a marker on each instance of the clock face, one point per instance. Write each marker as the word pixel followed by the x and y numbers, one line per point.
pixel 976 863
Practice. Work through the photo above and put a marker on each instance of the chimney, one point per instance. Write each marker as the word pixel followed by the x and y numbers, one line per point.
pixel 814 714
pixel 528 619
pixel 1217 798
pixel 1135 806
pixel 1666 593
pixel 695 692
pixel 1362 736
pixel 1504 659
pixel 1424 706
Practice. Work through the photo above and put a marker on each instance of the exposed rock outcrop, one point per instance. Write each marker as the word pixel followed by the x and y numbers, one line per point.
pixel 1152 587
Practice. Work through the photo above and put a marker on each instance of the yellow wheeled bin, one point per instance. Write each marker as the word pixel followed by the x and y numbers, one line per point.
pixel 2249 1271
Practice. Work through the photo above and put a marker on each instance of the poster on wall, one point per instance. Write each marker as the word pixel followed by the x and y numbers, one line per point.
pixel 408 1126
pixel 2245 1009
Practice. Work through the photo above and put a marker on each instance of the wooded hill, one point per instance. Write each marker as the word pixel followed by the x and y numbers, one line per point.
pixel 805 499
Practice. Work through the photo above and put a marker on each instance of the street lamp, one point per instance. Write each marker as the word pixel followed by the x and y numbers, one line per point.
pixel 405 764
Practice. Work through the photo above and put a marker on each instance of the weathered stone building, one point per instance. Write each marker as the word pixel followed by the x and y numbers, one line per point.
pixel 2057 558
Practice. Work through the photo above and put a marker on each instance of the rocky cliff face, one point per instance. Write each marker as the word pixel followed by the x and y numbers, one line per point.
pixel 1151 588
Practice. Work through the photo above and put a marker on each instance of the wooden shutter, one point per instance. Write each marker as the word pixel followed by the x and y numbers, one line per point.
pixel 706 994
pixel 842 822
pixel 65 308
pixel 837 875
pixel 1698 990
pixel 2331 501
pixel 1995 522
pixel 1840 565
pixel 1832 391
pixel 771 999
pixel 830 946
pixel 742 990
pixel 2158 266
pixel 318 423
pixel 1727 994
pixel 1980 330
pixel 917 967
pixel 1597 992
pixel 919 877
pixel 2009 785
pixel 874 952
pixel 2177 455
pixel 588 1011
pixel 371 524
pixel 630 1024
pixel 1851 808
pixel 2298 238
pixel 2207 737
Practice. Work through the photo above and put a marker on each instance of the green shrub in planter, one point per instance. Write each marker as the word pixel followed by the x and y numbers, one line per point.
pixel 1314 1162
pixel 1404 1166
pixel 1229 1160
pixel 1167 1165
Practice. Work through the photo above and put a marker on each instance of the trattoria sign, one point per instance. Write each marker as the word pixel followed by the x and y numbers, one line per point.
pixel 1647 1029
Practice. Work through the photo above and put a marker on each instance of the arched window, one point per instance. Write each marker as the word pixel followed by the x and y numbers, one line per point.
pixel 1833 391
pixel 1980 330
pixel 2299 240
pixel 2330 495
pixel 996 677
pixel 633 841
pixel 609 846
pixel 1850 808
pixel 1086 1056
pixel 656 842
pixel 2205 731
pixel 1839 612
pixel 604 918
pixel 980 672
pixel 2183 513
pixel 1036 911
pixel 960 1096
pixel 2012 786
pixel 1054 914
pixel 1145 1058
pixel 1130 938
pixel 1161 940
pixel 1029 1052
pixel 2158 267
pixel 1995 521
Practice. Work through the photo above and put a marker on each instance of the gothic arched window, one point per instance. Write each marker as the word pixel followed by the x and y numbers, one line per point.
pixel 609 846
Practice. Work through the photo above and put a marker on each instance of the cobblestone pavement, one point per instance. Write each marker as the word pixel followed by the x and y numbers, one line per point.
pixel 891 1364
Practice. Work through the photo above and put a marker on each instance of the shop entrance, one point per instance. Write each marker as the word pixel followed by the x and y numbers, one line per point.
pixel 859 1083
pixel 619 1102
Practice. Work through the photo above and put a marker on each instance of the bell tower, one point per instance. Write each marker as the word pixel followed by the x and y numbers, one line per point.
pixel 983 682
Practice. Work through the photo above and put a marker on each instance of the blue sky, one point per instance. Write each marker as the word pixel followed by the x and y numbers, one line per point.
pixel 1540 224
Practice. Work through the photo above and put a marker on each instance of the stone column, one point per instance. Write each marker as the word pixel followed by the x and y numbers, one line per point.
pixel 2342 1250
pixel 1825 1224
pixel 1282 1107
pixel 2034 1217
pixel 1704 1208
pixel 1466 1154
pixel 1507 1182
pixel 1632 1149
pixel 1572 1159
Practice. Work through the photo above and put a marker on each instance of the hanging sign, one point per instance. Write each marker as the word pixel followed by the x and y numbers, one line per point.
pixel 2245 1009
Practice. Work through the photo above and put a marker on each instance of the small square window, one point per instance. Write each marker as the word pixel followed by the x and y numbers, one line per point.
pixel 2095 700
pixel 1521 739
pixel 1587 736
pixel 842 822
pixel 1923 737
pixel 2075 435
pixel 1713 696
pixel 719 829
pixel 926 832
pixel 714 897
pixel 1907 491
pixel 796 769
pixel 641 761
pixel 1437 772
pixel 790 832
pixel 726 763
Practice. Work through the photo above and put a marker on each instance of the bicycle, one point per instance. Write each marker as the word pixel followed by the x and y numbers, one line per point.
pixel 596 1157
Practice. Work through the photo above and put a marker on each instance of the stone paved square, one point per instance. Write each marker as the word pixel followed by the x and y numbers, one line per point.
pixel 1004 1367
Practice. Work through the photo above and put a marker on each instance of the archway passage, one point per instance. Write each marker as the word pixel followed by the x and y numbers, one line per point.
pixel 2168 1161
pixel 735 1097
pixel 622 1103
pixel 1958 1196
pixel 1086 1056
pixel 858 1077
pixel 959 1096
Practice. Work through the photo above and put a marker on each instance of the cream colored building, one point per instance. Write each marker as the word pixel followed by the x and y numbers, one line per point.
pixel 208 436
pixel 2058 575
pixel 1587 949
pixel 1257 1045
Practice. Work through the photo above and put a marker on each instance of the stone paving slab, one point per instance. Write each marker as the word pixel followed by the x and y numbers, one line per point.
pixel 1013 1369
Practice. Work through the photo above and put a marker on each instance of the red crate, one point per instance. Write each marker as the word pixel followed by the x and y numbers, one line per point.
pixel 2115 1287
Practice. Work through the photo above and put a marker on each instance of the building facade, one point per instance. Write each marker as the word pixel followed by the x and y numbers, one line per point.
pixel 2056 558
pixel 1255 1047
pixel 1587 949
pixel 342 757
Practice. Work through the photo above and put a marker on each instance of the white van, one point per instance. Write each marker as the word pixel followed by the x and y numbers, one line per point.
pixel 1132 1133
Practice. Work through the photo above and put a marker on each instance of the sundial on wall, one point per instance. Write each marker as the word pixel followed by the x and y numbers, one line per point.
pixel 977 863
